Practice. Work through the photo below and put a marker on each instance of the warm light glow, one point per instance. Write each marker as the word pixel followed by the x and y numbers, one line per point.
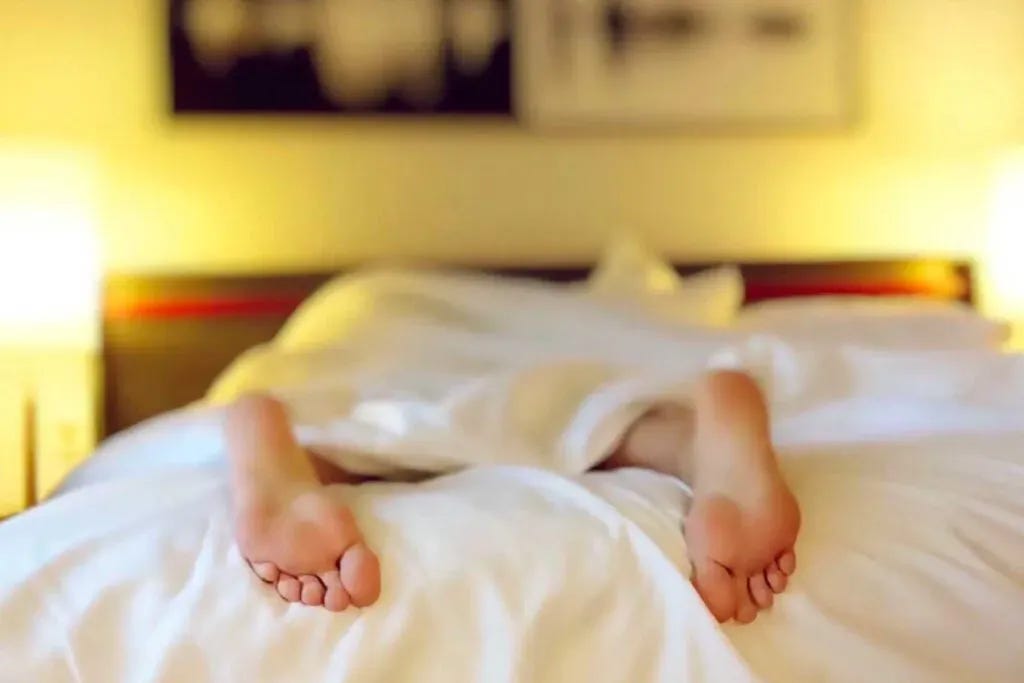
pixel 1005 257
pixel 49 261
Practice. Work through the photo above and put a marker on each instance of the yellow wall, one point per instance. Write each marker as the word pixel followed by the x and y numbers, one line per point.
pixel 944 92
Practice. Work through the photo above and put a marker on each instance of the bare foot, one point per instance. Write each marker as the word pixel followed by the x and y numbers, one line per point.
pixel 292 532
pixel 744 520
pixel 741 546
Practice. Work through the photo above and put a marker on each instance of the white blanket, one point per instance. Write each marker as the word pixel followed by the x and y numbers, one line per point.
pixel 909 468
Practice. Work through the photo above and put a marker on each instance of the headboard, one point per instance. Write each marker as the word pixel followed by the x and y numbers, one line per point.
pixel 166 337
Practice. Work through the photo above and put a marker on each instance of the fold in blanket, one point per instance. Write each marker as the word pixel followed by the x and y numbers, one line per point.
pixel 431 380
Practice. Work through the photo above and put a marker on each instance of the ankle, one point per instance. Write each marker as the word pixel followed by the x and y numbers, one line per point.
pixel 660 440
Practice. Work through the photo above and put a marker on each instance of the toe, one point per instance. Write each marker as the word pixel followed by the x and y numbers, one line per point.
pixel 336 598
pixel 360 575
pixel 715 586
pixel 267 572
pixel 289 588
pixel 760 592
pixel 312 591
pixel 746 610
pixel 777 579
pixel 787 562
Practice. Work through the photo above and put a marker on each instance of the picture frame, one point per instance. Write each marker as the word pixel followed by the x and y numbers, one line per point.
pixel 547 64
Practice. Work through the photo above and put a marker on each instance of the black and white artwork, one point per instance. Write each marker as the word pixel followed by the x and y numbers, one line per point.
pixel 543 62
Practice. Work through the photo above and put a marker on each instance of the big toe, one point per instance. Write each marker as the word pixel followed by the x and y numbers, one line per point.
pixel 714 584
pixel 360 575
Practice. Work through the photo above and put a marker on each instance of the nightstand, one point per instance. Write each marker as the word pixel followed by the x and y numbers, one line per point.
pixel 48 419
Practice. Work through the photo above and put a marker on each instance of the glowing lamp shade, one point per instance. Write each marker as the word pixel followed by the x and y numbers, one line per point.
pixel 1005 253
pixel 49 261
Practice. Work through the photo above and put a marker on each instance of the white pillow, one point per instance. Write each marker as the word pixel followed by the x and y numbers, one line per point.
pixel 891 322
pixel 467 299
pixel 631 276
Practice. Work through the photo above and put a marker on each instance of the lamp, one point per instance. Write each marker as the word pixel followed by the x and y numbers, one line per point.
pixel 49 289
pixel 1004 257
pixel 49 265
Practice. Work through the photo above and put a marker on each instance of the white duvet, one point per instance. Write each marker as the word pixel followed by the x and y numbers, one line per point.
pixel 909 467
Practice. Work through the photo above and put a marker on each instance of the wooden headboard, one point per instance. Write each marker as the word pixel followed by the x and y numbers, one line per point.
pixel 165 338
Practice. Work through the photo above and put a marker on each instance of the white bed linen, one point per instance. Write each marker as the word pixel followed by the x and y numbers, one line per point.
pixel 909 467
pixel 629 274
pixel 896 322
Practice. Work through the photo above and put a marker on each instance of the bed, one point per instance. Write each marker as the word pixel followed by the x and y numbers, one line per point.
pixel 907 463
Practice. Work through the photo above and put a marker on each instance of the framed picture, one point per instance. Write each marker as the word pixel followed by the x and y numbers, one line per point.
pixel 546 63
